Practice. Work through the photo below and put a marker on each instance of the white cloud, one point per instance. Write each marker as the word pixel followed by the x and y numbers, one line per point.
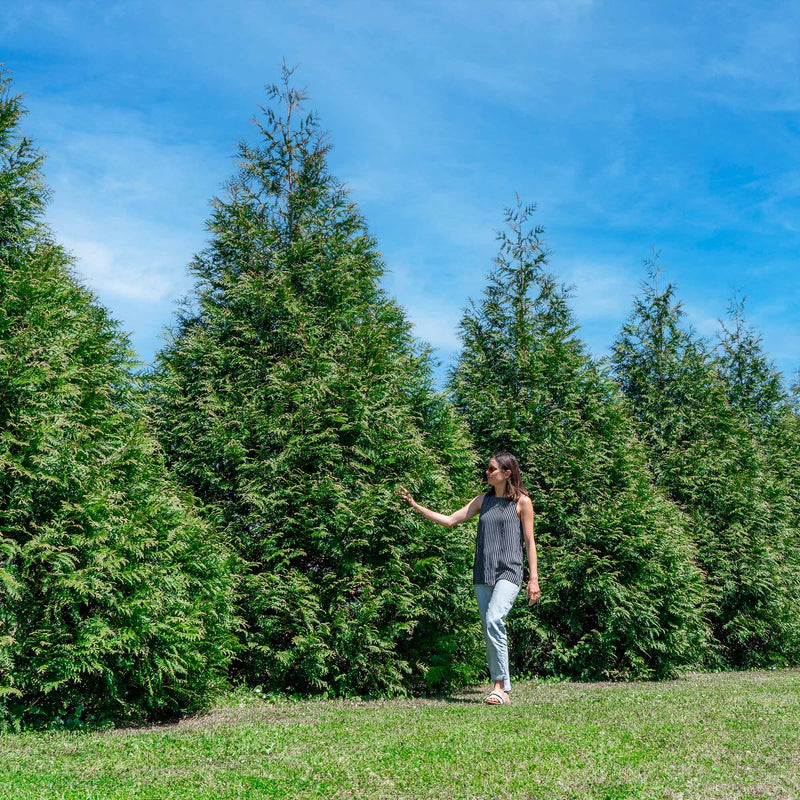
pixel 119 273
pixel 119 161
pixel 601 290
pixel 130 200
pixel 437 328
pixel 701 320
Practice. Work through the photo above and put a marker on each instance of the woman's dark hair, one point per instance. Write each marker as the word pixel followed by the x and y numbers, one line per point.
pixel 515 488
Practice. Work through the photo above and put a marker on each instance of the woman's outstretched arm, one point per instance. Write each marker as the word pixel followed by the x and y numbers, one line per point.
pixel 448 520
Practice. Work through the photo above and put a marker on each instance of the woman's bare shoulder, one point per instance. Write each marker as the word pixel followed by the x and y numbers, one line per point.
pixel 524 503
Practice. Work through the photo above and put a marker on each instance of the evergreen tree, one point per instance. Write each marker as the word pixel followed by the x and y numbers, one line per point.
pixel 621 594
pixel 116 600
pixel 293 400
pixel 709 459
pixel 754 385
pixel 756 390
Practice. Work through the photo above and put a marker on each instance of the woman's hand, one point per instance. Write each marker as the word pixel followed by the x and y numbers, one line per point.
pixel 404 494
pixel 532 591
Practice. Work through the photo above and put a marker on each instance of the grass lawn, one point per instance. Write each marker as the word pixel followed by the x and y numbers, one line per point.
pixel 733 735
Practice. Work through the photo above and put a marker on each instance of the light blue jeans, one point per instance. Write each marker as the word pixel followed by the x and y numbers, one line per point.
pixel 494 603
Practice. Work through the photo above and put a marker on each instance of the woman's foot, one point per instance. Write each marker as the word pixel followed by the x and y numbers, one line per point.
pixel 497 697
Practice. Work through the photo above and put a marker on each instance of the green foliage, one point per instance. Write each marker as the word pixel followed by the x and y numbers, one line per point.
pixel 704 423
pixel 756 390
pixel 116 599
pixel 620 590
pixel 754 386
pixel 292 398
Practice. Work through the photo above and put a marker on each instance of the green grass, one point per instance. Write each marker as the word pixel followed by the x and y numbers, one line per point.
pixel 733 735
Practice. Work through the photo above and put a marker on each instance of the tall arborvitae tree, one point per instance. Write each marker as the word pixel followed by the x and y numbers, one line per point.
pixel 707 456
pixel 754 385
pixel 116 599
pixel 621 595
pixel 293 400
pixel 756 390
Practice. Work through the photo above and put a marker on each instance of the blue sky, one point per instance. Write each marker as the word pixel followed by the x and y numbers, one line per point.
pixel 632 125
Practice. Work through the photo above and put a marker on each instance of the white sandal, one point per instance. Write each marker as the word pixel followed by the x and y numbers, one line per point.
pixel 501 699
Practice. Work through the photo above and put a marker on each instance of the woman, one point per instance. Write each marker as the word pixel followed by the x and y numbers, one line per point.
pixel 506 522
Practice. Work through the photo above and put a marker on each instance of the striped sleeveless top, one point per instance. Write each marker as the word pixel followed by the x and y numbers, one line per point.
pixel 500 545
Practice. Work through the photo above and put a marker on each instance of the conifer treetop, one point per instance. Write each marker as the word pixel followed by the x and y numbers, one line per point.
pixel 292 156
pixel 654 339
pixel 284 217
pixel 23 194
pixel 755 385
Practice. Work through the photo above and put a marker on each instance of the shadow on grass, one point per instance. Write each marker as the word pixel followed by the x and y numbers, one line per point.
pixel 460 701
